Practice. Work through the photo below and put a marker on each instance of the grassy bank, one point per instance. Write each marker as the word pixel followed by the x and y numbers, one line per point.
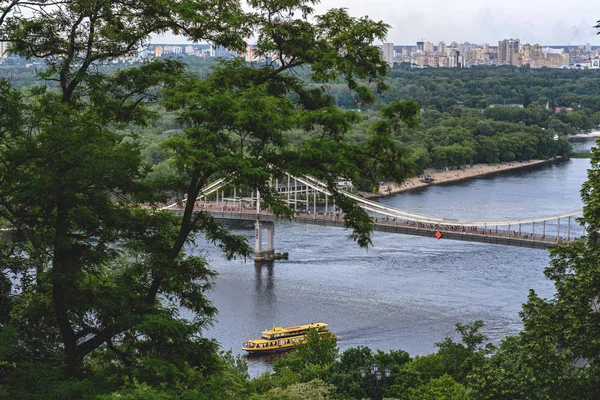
pixel 581 154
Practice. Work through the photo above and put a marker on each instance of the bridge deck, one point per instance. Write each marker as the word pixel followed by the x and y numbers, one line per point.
pixel 489 236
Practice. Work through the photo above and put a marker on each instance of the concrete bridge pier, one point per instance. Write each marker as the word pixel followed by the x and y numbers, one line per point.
pixel 260 253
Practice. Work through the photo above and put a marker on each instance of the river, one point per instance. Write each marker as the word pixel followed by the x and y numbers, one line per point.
pixel 405 292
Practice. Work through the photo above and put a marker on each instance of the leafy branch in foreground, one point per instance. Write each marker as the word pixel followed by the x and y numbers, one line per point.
pixel 103 281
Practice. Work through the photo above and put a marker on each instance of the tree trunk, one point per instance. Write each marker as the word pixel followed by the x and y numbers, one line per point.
pixel 62 264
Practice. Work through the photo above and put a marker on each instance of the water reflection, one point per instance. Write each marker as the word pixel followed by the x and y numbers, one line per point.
pixel 264 287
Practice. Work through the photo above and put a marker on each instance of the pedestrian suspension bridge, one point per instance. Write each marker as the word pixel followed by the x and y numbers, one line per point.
pixel 312 202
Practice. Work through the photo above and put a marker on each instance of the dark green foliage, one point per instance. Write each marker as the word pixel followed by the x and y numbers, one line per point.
pixel 440 375
pixel 103 281
pixel 478 86
pixel 557 354
pixel 444 388
pixel 236 119
pixel 319 349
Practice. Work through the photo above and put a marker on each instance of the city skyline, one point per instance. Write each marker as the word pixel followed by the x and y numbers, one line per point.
pixel 551 22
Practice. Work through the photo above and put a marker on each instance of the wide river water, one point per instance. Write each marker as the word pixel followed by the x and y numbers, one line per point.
pixel 405 292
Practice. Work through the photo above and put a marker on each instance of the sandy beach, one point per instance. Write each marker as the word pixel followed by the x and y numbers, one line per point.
pixel 453 175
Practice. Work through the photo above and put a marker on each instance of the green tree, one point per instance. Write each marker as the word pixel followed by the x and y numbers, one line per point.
pixel 313 390
pixel 442 388
pixel 526 100
pixel 68 150
pixel 318 349
pixel 236 117
pixel 459 359
pixel 560 338
pixel 308 361
pixel 101 275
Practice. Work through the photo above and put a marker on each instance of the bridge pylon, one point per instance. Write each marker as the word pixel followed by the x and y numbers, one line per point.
pixel 260 253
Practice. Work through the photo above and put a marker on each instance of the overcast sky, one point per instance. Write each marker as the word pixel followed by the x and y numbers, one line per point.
pixel 480 21
pixel 477 21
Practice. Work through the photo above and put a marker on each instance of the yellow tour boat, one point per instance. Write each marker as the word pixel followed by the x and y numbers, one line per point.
pixel 281 339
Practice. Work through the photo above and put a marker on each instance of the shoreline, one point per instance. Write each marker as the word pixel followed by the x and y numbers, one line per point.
pixel 584 135
pixel 455 175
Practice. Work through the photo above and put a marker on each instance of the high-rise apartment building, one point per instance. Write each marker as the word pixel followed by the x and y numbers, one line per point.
pixel 466 55
pixel 250 56
pixel 588 48
pixel 433 61
pixel 158 52
pixel 479 53
pixel 441 48
pixel 388 53
pixel 465 47
pixel 508 50
pixel 453 58
pixel 443 61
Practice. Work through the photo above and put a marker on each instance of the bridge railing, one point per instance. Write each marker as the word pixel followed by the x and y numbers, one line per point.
pixel 546 226
pixel 399 225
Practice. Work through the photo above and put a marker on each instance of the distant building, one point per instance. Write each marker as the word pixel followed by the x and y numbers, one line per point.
pixel 158 52
pixel 453 58
pixel 508 50
pixel 441 48
pixel 562 109
pixel 577 53
pixel 250 56
pixel 428 47
pixel 217 51
pixel 588 48
pixel 388 53
pixel 3 49
pixel 554 60
pixel 550 50
pixel 433 61
pixel 533 56
pixel 479 54
pixel 189 50
pixel 141 52
pixel 465 47
pixel 443 62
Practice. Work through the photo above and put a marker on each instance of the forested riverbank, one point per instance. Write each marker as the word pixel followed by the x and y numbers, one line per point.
pixel 467 127
pixel 482 115
pixel 433 177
